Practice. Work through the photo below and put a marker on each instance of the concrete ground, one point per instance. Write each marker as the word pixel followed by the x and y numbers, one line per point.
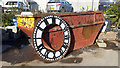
pixel 87 56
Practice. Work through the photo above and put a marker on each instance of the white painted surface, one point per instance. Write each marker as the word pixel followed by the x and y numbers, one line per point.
pixel 107 22
pixel 39 34
pixel 43 25
pixel 104 28
pixel 63 49
pixel 57 54
pixel 50 55
pixel 57 21
pixel 66 41
pixel 43 51
pixel 26 13
pixel 49 21
pixel 65 33
pixel 62 26
pixel 39 42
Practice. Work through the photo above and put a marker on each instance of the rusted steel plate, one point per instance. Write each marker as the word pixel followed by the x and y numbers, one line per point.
pixel 84 29
pixel 85 36
pixel 54 34
pixel 28 31
pixel 80 37
pixel 79 20
pixel 55 47
pixel 64 14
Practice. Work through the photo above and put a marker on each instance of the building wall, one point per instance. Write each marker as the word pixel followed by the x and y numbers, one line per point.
pixel 78 5
pixel 42 4
pixel 1 2
pixel 86 4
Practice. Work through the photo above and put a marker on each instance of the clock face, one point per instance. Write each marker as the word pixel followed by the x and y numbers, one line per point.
pixel 45 53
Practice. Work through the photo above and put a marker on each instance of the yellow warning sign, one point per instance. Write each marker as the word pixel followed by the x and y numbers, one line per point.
pixel 25 22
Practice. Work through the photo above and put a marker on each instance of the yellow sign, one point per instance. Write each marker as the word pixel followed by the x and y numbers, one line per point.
pixel 106 5
pixel 51 8
pixel 25 22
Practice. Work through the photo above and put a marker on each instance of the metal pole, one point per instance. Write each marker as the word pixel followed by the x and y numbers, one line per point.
pixel 30 5
pixel 0 30
pixel 92 5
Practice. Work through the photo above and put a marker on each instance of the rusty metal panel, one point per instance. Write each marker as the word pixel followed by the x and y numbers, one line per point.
pixel 53 39
pixel 80 37
pixel 99 17
pixel 28 31
pixel 85 36
pixel 84 29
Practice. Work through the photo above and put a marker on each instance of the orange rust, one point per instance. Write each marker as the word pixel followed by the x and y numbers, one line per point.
pixel 28 31
pixel 89 30
pixel 84 28
pixel 49 39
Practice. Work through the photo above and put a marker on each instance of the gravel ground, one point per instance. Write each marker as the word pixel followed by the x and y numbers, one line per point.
pixel 87 56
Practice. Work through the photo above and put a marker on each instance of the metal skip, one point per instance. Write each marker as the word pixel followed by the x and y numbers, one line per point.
pixel 55 34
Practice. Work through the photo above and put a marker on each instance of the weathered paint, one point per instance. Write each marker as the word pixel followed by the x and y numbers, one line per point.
pixel 84 28
pixel 25 22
